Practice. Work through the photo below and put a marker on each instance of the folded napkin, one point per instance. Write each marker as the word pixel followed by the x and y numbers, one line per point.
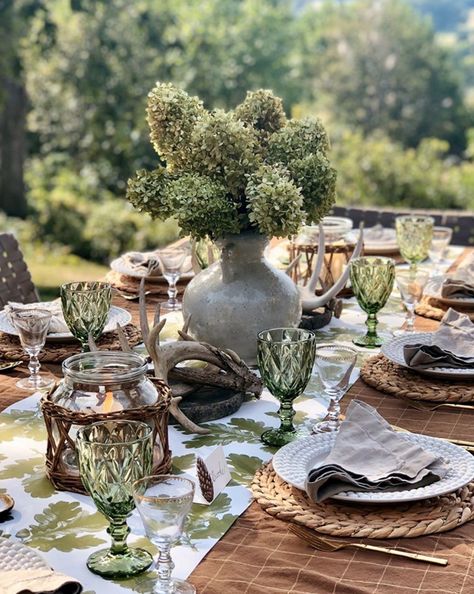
pixel 368 455
pixel 143 261
pixel 457 287
pixel 57 320
pixel 37 581
pixel 452 345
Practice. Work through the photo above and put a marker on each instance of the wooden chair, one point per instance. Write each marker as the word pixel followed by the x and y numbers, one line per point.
pixel 15 278
pixel 461 222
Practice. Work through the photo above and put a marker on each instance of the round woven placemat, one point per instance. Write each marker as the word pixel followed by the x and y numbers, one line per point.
pixel 380 373
pixel 336 518
pixel 432 308
pixel 56 352
pixel 129 284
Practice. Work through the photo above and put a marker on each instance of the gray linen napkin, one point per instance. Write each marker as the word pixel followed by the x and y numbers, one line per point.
pixel 456 287
pixel 368 455
pixel 452 345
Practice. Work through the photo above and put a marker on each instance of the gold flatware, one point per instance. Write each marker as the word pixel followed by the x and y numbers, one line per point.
pixel 418 405
pixel 5 365
pixel 323 544
pixel 467 445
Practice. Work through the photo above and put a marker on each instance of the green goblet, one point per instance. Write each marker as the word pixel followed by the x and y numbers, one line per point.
pixel 372 281
pixel 112 455
pixel 285 359
pixel 86 308
pixel 414 236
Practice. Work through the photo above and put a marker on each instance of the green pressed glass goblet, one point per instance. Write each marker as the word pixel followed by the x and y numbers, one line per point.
pixel 372 281
pixel 414 236
pixel 86 308
pixel 285 358
pixel 112 455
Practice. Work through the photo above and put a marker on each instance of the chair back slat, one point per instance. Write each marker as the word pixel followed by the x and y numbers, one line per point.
pixel 15 278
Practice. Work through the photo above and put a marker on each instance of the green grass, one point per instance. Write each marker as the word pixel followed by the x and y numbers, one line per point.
pixel 50 269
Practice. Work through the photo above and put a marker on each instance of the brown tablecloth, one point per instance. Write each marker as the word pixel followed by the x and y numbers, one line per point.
pixel 259 555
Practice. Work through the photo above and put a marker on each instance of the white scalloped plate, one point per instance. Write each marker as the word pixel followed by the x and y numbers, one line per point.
pixel 393 350
pixel 117 315
pixel 15 556
pixel 293 462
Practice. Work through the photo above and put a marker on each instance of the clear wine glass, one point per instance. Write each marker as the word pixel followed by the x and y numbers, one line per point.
pixel 171 262
pixel 163 502
pixel 441 239
pixel 112 455
pixel 334 364
pixel 32 326
pixel 411 285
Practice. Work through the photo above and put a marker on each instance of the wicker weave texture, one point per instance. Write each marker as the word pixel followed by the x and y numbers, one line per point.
pixel 15 278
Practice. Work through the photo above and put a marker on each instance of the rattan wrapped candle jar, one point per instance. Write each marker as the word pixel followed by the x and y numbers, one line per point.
pixel 100 386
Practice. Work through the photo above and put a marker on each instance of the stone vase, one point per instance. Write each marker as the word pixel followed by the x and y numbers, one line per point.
pixel 239 296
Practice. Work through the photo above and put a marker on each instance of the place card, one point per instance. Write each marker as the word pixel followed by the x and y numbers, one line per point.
pixel 212 475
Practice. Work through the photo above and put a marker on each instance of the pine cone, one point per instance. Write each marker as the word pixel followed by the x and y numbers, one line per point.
pixel 205 480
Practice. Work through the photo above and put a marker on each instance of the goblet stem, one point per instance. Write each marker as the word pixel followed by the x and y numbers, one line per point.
pixel 371 324
pixel 410 317
pixel 34 366
pixel 119 532
pixel 286 414
pixel 413 268
pixel 334 409
pixel 172 292
pixel 164 566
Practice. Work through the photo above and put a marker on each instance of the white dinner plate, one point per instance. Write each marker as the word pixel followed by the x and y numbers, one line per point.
pixel 15 556
pixel 293 462
pixel 122 266
pixel 117 315
pixel 393 350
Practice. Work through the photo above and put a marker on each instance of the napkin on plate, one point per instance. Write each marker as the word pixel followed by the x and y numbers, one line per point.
pixel 457 287
pixel 57 321
pixel 143 261
pixel 37 581
pixel 452 345
pixel 368 455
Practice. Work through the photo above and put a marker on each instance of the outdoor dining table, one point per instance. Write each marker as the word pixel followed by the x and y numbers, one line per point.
pixel 258 554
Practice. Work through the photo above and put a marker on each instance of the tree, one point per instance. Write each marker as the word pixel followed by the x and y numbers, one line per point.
pixel 375 64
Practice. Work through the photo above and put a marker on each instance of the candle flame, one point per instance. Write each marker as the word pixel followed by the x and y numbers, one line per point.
pixel 108 402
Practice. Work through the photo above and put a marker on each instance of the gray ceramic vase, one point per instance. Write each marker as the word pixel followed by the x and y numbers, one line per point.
pixel 240 295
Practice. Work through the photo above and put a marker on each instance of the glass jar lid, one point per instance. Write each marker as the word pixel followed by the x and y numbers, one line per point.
pixel 104 367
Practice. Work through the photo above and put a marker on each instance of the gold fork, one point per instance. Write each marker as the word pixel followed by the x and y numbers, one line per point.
pixel 323 544
pixel 430 407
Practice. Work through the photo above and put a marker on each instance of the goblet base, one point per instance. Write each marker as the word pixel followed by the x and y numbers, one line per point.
pixel 278 437
pixel 176 587
pixel 368 342
pixel 325 427
pixel 119 566
pixel 33 384
pixel 169 306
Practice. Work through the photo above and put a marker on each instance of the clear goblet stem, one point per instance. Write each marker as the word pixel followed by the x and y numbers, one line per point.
pixel 119 532
pixel 172 292
pixel 334 410
pixel 410 317
pixel 34 365
pixel 164 566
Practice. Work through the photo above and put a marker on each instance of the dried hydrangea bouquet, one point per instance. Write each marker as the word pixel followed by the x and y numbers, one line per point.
pixel 237 178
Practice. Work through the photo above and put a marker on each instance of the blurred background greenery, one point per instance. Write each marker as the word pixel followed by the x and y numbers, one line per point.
pixel 393 81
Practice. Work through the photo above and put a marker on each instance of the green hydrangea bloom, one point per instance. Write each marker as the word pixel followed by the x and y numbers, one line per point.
pixel 262 110
pixel 147 191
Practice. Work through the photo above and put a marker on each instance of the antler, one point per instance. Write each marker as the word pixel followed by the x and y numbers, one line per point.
pixel 309 300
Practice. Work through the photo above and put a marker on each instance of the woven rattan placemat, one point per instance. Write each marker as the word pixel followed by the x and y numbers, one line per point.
pixel 432 308
pixel 383 375
pixel 56 352
pixel 420 518
pixel 131 285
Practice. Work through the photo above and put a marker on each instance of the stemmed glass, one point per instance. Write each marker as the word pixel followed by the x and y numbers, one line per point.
pixel 372 282
pixel 441 239
pixel 285 358
pixel 163 502
pixel 171 262
pixel 32 326
pixel 334 364
pixel 86 307
pixel 411 285
pixel 414 235
pixel 112 455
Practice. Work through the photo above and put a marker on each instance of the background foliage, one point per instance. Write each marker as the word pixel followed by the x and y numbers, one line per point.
pixel 392 79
